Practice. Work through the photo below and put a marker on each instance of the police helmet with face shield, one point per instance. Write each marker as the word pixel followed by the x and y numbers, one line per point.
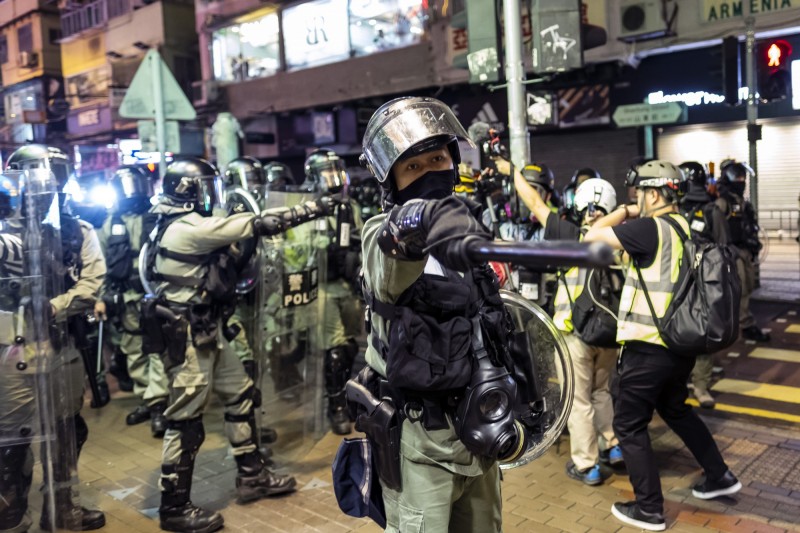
pixel 245 172
pixel 41 156
pixel 732 171
pixel 595 193
pixel 325 172
pixel 132 184
pixel 279 176
pixel 696 173
pixel 408 126
pixel 661 175
pixel 193 182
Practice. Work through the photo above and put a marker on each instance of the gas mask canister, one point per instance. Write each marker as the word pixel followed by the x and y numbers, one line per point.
pixel 485 418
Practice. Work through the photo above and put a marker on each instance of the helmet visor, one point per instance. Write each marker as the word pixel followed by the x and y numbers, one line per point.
pixel 332 175
pixel 404 124
pixel 134 186
pixel 210 193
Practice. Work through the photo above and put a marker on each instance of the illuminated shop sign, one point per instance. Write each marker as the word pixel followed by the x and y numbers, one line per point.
pixel 316 33
pixel 693 98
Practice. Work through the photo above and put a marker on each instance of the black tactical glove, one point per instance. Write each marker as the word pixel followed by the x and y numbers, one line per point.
pixel 276 221
pixel 441 225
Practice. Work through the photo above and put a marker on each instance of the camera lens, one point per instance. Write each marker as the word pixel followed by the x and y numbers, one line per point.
pixel 493 404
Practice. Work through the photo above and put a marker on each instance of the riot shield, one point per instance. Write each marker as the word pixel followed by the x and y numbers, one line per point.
pixel 281 316
pixel 39 400
pixel 543 371
pixel 238 200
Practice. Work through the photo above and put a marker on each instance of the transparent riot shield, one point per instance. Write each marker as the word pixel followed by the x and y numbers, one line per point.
pixel 543 364
pixel 282 317
pixel 38 398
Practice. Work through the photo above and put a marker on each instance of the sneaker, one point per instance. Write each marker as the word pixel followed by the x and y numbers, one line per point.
pixel 727 484
pixel 754 333
pixel 704 397
pixel 630 513
pixel 591 476
pixel 612 456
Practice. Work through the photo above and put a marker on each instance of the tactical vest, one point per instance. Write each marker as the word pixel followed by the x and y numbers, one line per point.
pixel 699 217
pixel 635 319
pixel 218 286
pixel 121 255
pixel 429 330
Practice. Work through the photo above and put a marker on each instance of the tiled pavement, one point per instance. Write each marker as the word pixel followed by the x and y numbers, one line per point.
pixel 119 470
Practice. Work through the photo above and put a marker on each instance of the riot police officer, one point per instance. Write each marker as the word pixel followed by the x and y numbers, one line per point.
pixel 411 147
pixel 651 376
pixel 743 230
pixel 83 270
pixel 121 236
pixel 189 268
pixel 708 224
pixel 279 176
pixel 325 174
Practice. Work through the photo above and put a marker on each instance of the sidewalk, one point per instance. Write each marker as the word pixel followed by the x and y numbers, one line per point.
pixel 120 465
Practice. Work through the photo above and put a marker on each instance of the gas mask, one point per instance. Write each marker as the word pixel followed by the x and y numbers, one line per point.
pixel 486 417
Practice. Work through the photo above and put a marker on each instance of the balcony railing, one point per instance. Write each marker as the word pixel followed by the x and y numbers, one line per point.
pixel 92 15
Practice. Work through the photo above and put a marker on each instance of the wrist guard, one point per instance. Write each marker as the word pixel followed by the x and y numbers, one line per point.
pixel 276 221
pixel 404 234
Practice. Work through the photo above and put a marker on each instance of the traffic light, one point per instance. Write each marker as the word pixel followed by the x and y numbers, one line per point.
pixel 774 69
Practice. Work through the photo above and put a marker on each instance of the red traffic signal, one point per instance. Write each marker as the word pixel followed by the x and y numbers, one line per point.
pixel 774 69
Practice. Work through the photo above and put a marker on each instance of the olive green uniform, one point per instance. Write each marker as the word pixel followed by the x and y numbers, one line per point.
pixel 146 370
pixel 446 488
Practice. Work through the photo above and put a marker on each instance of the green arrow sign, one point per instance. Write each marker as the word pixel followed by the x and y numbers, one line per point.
pixel 626 116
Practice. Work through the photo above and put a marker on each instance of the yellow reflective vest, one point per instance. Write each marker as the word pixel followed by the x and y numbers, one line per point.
pixel 635 321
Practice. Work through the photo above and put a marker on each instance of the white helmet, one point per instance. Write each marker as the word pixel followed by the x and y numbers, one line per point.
pixel 597 192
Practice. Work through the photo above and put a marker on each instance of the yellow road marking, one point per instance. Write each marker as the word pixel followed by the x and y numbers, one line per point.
pixel 778 393
pixel 774 354
pixel 794 328
pixel 763 413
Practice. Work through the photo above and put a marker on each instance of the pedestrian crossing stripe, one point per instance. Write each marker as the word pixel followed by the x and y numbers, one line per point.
pixel 775 354
pixel 761 413
pixel 778 393
pixel 794 328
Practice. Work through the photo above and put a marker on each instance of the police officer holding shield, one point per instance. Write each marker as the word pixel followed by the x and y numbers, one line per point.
pixel 191 272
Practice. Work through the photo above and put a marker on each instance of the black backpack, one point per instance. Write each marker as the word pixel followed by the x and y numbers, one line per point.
pixel 703 316
pixel 594 311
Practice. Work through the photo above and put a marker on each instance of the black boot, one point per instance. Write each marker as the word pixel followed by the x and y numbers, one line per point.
pixel 138 415
pixel 119 369
pixel 16 466
pixel 256 481
pixel 754 333
pixel 177 512
pixel 70 515
pixel 338 364
pixel 158 422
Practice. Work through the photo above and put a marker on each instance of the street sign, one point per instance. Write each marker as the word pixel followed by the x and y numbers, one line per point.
pixel 140 99
pixel 148 136
pixel 626 116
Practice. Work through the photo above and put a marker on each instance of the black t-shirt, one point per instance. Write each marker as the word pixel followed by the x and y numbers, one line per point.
pixel 557 229
pixel 639 238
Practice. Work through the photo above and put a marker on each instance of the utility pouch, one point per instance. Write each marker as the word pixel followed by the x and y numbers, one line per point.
pixel 204 324
pixel 426 354
pixel 154 340
pixel 176 333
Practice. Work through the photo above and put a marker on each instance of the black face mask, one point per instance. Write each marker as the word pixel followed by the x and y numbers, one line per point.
pixel 433 185
pixel 736 187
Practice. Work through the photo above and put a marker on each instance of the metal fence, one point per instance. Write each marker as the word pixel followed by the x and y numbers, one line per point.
pixel 92 15
pixel 780 260
pixel 779 223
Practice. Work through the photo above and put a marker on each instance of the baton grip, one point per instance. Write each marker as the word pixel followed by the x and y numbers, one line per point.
pixel 543 255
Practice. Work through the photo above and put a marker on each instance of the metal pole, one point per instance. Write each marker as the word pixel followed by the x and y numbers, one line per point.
pixel 161 123
pixel 752 108
pixel 519 139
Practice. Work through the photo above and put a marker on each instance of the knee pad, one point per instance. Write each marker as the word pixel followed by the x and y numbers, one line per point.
pixel 192 433
pixel 248 394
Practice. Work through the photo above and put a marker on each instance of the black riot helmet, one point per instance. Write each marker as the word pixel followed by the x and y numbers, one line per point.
pixel 42 156
pixel 131 184
pixel 408 126
pixel 245 172
pixel 733 171
pixel 325 172
pixel 193 181
pixel 696 173
pixel 279 176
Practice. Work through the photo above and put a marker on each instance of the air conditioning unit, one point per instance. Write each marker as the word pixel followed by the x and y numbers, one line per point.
pixel 641 20
pixel 28 59
pixel 205 92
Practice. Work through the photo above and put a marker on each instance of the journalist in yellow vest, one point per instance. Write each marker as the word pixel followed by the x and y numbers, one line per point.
pixel 651 377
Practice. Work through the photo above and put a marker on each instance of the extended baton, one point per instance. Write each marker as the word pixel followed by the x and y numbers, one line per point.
pixel 543 255
pixel 100 346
